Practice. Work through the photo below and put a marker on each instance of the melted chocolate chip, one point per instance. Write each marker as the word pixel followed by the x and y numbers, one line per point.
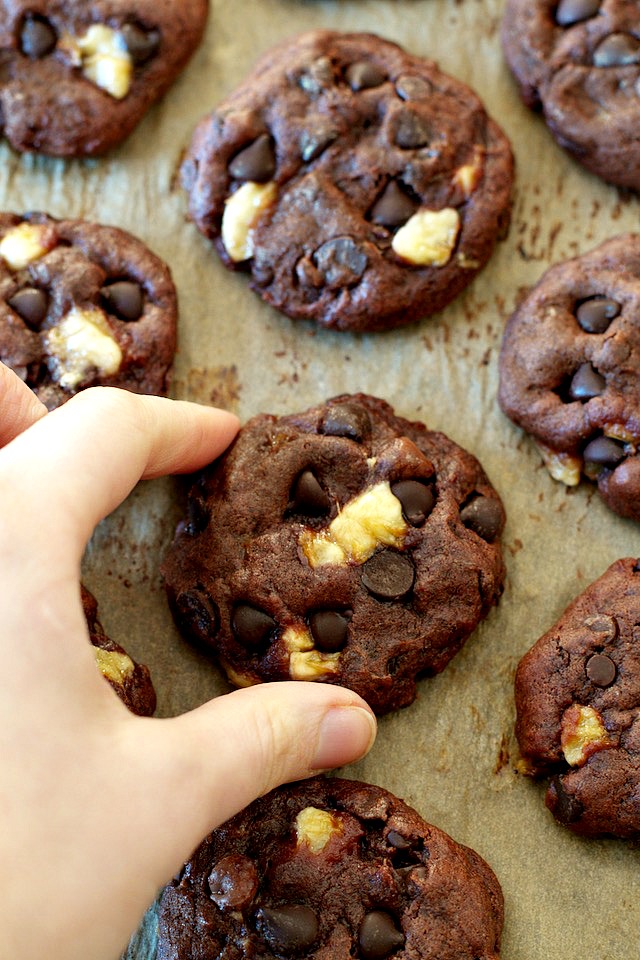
pixel 142 44
pixel 605 626
pixel 412 131
pixel 483 515
pixel 595 315
pixel 564 807
pixel 124 298
pixel 257 162
pixel 586 383
pixel 233 882
pixel 388 575
pixel 198 516
pixel 197 613
pixel 37 37
pixel 308 497
pixel 379 936
pixel 574 11
pixel 604 452
pixel 329 630
pixel 363 75
pixel 315 139
pixel 617 50
pixel 393 207
pixel 601 670
pixel 347 420
pixel 397 840
pixel 288 929
pixel 413 88
pixel 30 304
pixel 417 500
pixel 251 626
pixel 341 260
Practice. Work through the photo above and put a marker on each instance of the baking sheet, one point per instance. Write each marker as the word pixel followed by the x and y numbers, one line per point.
pixel 451 753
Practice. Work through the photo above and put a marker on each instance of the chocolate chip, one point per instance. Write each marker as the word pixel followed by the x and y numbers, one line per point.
pixel 388 575
pixel 604 452
pixel 397 840
pixel 37 37
pixel 308 497
pixel 605 626
pixel 379 936
pixel 413 88
pixel 318 77
pixel 363 75
pixel 393 207
pixel 290 928
pixel 411 131
pixel 198 516
pixel 257 162
pixel 601 670
pixel 617 50
pixel 124 298
pixel 595 315
pixel 329 630
pixel 197 613
pixel 251 626
pixel 574 11
pixel 564 807
pixel 233 882
pixel 347 420
pixel 30 304
pixel 142 44
pixel 315 139
pixel 483 515
pixel 417 500
pixel 341 260
pixel 586 383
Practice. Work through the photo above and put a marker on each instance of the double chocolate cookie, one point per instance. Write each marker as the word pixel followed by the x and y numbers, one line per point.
pixel 579 62
pixel 130 680
pixel 328 869
pixel 76 77
pixel 569 369
pixel 83 305
pixel 578 704
pixel 358 185
pixel 343 544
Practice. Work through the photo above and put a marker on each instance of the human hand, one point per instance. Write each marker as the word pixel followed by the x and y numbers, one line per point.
pixel 100 808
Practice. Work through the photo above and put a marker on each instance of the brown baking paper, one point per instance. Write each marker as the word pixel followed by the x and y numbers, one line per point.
pixel 451 754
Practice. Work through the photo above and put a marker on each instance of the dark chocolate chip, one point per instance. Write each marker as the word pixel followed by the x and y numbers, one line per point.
pixel 142 44
pixel 412 877
pixel 412 131
pixel 308 497
pixel 30 304
pixel 197 613
pixel 37 37
pixel 363 75
pixel 233 882
pixel 251 626
pixel 397 840
pixel 417 500
pixel 586 383
pixel 413 88
pixel 617 50
pixel 595 315
pixel 290 928
pixel 379 936
pixel 341 260
pixel 315 139
pixel 318 77
pixel 393 207
pixel 329 630
pixel 257 162
pixel 483 515
pixel 564 807
pixel 604 625
pixel 388 575
pixel 124 298
pixel 574 11
pixel 604 452
pixel 347 420
pixel 198 516
pixel 601 670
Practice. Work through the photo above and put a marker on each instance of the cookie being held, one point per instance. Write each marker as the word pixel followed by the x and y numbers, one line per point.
pixel 359 185
pixel 331 868
pixel 82 305
pixel 578 708
pixel 344 544
pixel 570 369
pixel 78 77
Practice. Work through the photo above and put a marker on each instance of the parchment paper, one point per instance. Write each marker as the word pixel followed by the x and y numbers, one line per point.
pixel 451 753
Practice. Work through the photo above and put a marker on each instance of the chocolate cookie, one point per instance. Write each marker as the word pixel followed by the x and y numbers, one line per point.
pixel 358 185
pixel 343 544
pixel 130 680
pixel 578 704
pixel 331 868
pixel 569 368
pixel 77 77
pixel 579 62
pixel 81 305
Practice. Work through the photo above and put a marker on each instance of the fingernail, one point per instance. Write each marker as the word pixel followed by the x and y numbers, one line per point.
pixel 346 734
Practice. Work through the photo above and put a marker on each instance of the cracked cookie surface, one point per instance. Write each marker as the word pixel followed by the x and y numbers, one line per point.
pixel 343 544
